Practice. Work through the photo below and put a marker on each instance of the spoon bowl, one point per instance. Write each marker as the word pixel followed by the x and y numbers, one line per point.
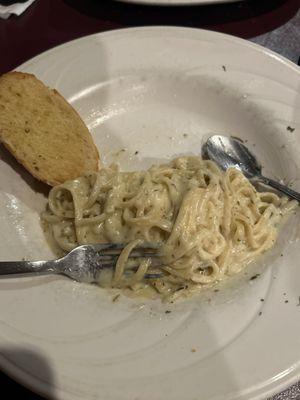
pixel 230 152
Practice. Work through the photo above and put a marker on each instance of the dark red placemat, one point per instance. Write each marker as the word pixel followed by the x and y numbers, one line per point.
pixel 48 23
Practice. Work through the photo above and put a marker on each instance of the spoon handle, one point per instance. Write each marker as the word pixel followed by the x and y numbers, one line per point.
pixel 282 188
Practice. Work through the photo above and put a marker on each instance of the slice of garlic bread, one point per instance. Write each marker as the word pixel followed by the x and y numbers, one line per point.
pixel 43 131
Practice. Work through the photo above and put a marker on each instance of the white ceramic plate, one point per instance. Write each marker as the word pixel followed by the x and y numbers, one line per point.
pixel 178 2
pixel 143 89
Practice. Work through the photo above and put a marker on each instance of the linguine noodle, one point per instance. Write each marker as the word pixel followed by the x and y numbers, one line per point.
pixel 210 224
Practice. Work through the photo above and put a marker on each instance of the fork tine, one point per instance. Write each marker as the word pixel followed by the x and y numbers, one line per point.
pixel 113 248
pixel 110 264
pixel 147 276
pixel 133 254
pixel 142 253
pixel 108 246
pixel 153 275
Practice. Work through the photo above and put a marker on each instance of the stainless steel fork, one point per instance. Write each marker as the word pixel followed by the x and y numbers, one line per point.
pixel 84 263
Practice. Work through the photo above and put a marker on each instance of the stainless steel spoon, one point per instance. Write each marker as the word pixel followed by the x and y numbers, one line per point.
pixel 229 152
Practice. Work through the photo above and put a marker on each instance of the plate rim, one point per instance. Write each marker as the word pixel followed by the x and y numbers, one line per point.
pixel 175 28
pixel 39 387
pixel 10 368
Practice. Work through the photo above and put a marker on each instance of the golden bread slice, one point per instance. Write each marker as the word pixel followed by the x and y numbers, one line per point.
pixel 43 131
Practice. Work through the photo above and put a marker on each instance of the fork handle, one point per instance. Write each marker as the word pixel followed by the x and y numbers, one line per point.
pixel 27 267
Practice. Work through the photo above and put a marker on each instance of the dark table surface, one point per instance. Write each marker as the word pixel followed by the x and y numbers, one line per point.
pixel 48 23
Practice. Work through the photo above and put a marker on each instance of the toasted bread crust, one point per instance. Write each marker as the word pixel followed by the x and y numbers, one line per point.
pixel 43 131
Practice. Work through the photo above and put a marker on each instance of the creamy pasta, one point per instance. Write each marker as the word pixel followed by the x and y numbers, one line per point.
pixel 209 224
